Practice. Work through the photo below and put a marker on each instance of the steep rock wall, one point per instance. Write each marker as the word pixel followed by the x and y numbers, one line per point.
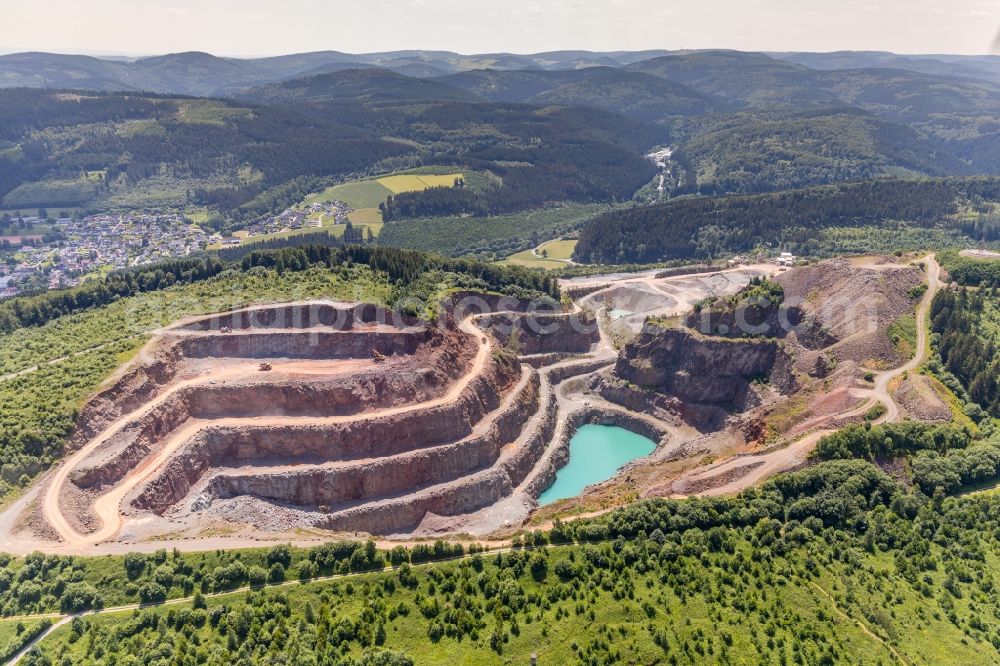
pixel 545 333
pixel 406 472
pixel 462 496
pixel 135 387
pixel 379 388
pixel 305 345
pixel 700 369
pixel 340 316
pixel 365 438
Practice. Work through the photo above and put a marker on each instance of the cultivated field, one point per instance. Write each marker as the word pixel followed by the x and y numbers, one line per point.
pixel 370 193
pixel 551 255
pixel 417 182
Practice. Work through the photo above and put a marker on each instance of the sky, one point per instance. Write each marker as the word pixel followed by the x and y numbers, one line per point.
pixel 271 27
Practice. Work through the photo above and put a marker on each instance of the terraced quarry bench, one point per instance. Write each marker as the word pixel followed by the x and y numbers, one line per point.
pixel 343 417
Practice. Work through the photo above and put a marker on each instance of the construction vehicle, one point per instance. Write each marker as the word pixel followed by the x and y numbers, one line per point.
pixel 264 367
pixel 377 356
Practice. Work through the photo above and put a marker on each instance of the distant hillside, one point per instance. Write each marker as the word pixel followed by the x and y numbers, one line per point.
pixel 754 80
pixel 106 150
pixel 635 95
pixel 117 150
pixel 738 123
pixel 361 85
pixel 768 151
pixel 196 73
pixel 985 67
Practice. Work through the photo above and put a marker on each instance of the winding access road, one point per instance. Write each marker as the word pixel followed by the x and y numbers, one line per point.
pixel 764 465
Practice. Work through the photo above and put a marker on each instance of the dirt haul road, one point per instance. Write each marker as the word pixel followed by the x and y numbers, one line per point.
pixel 107 507
pixel 765 465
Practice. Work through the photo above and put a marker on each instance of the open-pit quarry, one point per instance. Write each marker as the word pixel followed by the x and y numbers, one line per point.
pixel 302 421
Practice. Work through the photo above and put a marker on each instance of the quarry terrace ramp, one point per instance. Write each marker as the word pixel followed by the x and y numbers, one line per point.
pixel 308 416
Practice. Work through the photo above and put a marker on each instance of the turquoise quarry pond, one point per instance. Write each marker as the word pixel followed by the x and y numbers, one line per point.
pixel 596 453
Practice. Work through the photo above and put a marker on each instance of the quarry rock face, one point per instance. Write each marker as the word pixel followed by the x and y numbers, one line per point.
pixel 422 466
pixel 541 333
pixel 699 369
pixel 370 440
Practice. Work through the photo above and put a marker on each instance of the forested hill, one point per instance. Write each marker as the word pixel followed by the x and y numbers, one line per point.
pixel 754 80
pixel 762 151
pixel 543 129
pixel 63 148
pixel 108 150
pixel 363 85
pixel 713 226
pixel 634 95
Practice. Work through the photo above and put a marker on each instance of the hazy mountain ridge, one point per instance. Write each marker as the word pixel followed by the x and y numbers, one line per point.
pixel 739 122
pixel 363 85
pixel 197 73
pixel 633 94
pixel 754 80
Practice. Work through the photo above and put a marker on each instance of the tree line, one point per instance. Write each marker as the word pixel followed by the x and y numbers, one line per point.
pixel 968 342
pixel 403 267
pixel 712 226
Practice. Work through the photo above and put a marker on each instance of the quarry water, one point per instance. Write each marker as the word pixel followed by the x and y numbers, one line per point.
pixel 596 453
pixel 620 314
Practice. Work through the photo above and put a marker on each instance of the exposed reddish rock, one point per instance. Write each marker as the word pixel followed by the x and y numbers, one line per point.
pixel 541 333
pixel 702 369
pixel 219 446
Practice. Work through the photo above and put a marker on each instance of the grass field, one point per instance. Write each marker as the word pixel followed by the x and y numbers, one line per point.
pixel 367 217
pixel 14 635
pixel 359 194
pixel 370 193
pixel 529 260
pixel 903 333
pixel 417 182
pixel 366 195
pixel 557 252
pixel 52 192
pixel 558 249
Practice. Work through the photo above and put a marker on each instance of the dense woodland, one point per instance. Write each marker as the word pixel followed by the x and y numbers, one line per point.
pixel 770 574
pixel 539 155
pixel 247 160
pixel 970 272
pixel 772 151
pixel 192 139
pixel 489 237
pixel 710 227
pixel 741 123
pixel 968 326
pixel 291 254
